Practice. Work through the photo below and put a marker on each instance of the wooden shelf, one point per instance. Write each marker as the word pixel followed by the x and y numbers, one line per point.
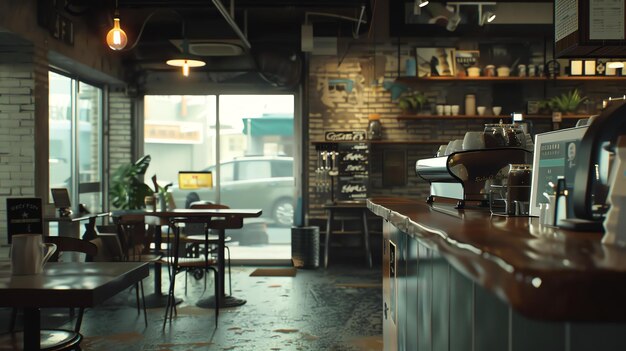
pixel 386 142
pixel 425 117
pixel 509 79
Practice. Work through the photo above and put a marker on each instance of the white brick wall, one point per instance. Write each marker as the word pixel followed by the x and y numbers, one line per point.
pixel 17 139
pixel 120 133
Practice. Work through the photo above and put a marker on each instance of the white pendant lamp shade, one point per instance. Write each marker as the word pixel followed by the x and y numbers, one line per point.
pixel 185 64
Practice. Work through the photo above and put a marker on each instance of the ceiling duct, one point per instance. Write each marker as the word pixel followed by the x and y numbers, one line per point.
pixel 211 47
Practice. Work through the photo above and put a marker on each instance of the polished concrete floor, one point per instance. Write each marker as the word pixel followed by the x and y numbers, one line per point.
pixel 334 309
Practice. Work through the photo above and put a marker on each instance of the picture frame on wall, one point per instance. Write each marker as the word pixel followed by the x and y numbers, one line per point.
pixel 435 62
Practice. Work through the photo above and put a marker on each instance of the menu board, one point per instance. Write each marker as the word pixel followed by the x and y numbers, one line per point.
pixel 556 154
pixel 352 180
pixel 24 216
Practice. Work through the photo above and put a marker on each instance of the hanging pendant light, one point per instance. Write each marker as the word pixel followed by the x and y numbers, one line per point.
pixel 116 37
pixel 186 60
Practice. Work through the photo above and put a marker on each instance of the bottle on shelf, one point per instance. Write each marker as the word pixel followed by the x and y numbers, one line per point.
pixel 470 104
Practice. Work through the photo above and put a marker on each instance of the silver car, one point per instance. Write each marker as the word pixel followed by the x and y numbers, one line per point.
pixel 264 182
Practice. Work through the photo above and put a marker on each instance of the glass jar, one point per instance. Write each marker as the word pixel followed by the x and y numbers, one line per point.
pixel 374 127
pixel 494 135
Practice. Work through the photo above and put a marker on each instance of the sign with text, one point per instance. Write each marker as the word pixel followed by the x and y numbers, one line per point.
pixel 24 216
pixel 353 177
pixel 355 135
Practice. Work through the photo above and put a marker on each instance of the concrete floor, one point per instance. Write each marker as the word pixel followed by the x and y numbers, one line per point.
pixel 334 309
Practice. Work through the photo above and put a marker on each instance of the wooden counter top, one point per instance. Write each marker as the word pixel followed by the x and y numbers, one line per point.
pixel 541 272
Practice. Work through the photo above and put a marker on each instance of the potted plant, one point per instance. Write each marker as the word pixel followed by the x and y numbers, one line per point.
pixel 412 102
pixel 566 103
pixel 127 190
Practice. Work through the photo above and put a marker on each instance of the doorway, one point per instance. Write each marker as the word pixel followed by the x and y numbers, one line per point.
pixel 247 143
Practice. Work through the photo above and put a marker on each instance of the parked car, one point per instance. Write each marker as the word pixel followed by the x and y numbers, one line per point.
pixel 264 182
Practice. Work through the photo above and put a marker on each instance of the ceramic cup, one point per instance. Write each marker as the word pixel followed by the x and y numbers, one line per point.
pixel 449 148
pixel 474 141
pixel 447 110
pixel 473 72
pixel 439 109
pixel 454 109
pixel 442 150
pixel 481 110
pixel 503 71
pixel 496 110
pixel 490 71
pixel 457 145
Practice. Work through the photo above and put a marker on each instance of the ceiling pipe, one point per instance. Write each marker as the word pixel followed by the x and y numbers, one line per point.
pixel 224 12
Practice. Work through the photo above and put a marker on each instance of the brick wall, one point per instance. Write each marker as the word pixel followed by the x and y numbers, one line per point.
pixel 332 109
pixel 119 130
pixel 17 130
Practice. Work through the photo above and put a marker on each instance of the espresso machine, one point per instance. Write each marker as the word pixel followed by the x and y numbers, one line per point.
pixel 466 176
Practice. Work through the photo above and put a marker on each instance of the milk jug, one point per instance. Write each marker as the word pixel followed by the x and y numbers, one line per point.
pixel 29 253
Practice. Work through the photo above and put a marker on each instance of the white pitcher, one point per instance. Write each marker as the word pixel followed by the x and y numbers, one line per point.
pixel 29 253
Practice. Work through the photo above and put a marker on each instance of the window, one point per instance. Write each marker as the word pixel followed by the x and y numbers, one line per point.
pixel 254 170
pixel 283 169
pixel 75 142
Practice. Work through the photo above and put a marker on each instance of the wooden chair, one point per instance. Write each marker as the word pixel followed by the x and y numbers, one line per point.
pixel 66 244
pixel 195 240
pixel 111 249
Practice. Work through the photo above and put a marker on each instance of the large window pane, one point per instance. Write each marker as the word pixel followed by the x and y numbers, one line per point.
pixel 75 143
pixel 254 167
pixel 89 146
pixel 60 131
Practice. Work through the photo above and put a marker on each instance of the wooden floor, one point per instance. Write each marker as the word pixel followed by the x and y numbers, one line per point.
pixel 334 309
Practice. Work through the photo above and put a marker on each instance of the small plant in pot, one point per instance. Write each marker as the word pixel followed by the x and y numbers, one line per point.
pixel 412 102
pixel 566 103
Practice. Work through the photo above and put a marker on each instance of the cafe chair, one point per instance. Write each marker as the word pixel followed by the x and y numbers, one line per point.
pixel 110 250
pixel 196 240
pixel 71 338
pixel 178 261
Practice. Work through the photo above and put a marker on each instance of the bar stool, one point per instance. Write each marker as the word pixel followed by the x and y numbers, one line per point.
pixel 357 209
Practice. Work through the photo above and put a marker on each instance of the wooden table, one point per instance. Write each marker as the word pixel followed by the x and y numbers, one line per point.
pixel 64 284
pixel 542 272
pixel 235 216
pixel 70 225
pixel 358 208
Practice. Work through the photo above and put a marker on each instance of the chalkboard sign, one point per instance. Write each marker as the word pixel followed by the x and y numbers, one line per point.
pixel 24 216
pixel 352 181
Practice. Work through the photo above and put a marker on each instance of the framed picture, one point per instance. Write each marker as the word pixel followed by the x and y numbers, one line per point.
pixel 435 62
pixel 465 59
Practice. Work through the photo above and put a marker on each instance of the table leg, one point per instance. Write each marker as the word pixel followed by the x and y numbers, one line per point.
pixel 329 221
pixel 32 329
pixel 90 229
pixel 366 238
pixel 157 299
pixel 225 301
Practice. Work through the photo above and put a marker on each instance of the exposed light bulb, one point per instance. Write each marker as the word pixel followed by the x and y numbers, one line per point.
pixel 491 17
pixel 116 37
pixel 423 3
pixel 186 69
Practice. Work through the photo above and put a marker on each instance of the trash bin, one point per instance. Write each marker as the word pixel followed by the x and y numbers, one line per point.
pixel 305 247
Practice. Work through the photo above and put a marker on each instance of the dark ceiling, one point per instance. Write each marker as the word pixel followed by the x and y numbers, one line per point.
pixel 156 29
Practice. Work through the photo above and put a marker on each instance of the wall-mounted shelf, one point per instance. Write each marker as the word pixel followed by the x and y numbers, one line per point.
pixel 427 117
pixel 509 79
pixel 386 142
